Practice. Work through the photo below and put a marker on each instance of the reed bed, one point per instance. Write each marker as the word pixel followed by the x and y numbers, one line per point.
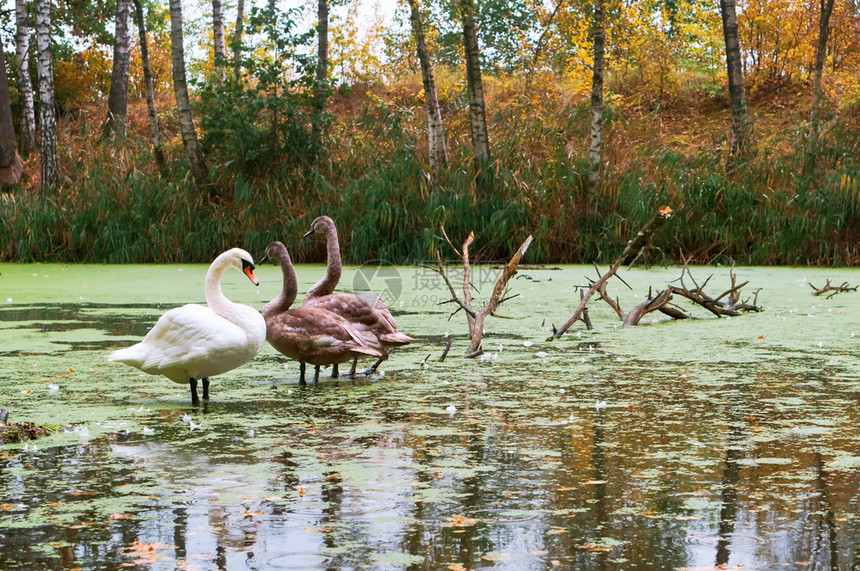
pixel 372 178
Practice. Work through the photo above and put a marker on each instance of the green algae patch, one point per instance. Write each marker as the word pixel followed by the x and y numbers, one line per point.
pixel 673 437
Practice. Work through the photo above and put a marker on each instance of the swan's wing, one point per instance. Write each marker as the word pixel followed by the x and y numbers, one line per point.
pixel 189 334
pixel 366 311
pixel 317 329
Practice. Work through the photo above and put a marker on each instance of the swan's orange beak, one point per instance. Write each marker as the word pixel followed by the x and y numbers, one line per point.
pixel 248 270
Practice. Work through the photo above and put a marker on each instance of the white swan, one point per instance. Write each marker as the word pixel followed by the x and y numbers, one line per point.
pixel 195 342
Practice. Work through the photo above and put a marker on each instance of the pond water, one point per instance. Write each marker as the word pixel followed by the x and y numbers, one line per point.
pixel 670 445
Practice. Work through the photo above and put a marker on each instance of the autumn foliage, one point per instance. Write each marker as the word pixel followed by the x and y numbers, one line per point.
pixel 666 129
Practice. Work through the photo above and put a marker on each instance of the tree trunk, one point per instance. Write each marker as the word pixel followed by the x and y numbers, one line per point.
pixel 47 117
pixel 237 39
pixel 118 98
pixel 25 85
pixel 155 136
pixel 477 108
pixel 11 167
pixel 438 148
pixel 183 105
pixel 321 88
pixel 219 46
pixel 739 139
pixel 596 138
pixel 825 10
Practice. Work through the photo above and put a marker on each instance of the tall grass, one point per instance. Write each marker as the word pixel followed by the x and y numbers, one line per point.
pixel 373 181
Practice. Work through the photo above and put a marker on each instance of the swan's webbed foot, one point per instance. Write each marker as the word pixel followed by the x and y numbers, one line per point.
pixel 195 400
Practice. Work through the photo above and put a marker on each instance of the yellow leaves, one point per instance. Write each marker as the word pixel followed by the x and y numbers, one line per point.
pixel 322 528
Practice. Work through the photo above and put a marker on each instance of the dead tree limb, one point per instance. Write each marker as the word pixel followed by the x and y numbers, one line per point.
pixel 499 291
pixel 475 319
pixel 833 290
pixel 653 303
pixel 732 306
pixel 630 252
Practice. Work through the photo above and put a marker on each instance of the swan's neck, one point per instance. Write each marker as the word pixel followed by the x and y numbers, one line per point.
pixel 288 293
pixel 215 297
pixel 333 268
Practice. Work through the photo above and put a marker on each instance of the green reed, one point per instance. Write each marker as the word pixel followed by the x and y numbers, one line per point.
pixel 372 179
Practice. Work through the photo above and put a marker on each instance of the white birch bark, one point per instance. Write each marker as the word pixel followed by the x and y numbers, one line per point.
pixel 47 118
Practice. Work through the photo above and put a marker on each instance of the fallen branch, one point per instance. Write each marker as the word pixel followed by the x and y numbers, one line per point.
pixel 732 306
pixel 833 290
pixel 631 251
pixel 475 319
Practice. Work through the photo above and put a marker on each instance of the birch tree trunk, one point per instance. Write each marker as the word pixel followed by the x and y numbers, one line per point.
pixel 438 146
pixel 219 46
pixel 739 139
pixel 183 105
pixel 321 89
pixel 825 10
pixel 237 39
pixel 11 167
pixel 596 137
pixel 118 98
pixel 154 134
pixel 25 85
pixel 47 118
pixel 477 107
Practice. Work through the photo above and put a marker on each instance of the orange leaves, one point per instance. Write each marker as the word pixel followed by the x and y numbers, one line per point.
pixel 146 553
pixel 595 548
pixel 459 521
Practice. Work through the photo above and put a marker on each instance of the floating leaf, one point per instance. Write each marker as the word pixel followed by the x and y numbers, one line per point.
pixel 459 521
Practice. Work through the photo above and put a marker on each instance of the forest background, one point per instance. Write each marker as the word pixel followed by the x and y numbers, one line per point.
pixel 572 120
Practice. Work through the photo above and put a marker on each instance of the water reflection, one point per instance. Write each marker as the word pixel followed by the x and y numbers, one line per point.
pixel 695 461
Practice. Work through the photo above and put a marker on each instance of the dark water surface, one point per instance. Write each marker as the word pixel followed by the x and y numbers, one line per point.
pixel 683 445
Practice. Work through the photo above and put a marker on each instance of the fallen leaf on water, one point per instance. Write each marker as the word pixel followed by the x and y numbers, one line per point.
pixel 594 548
pixel 566 488
pixel 762 337
pixel 554 531
pixel 594 482
pixel 120 516
pixel 323 528
pixel 459 521
pixel 496 556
